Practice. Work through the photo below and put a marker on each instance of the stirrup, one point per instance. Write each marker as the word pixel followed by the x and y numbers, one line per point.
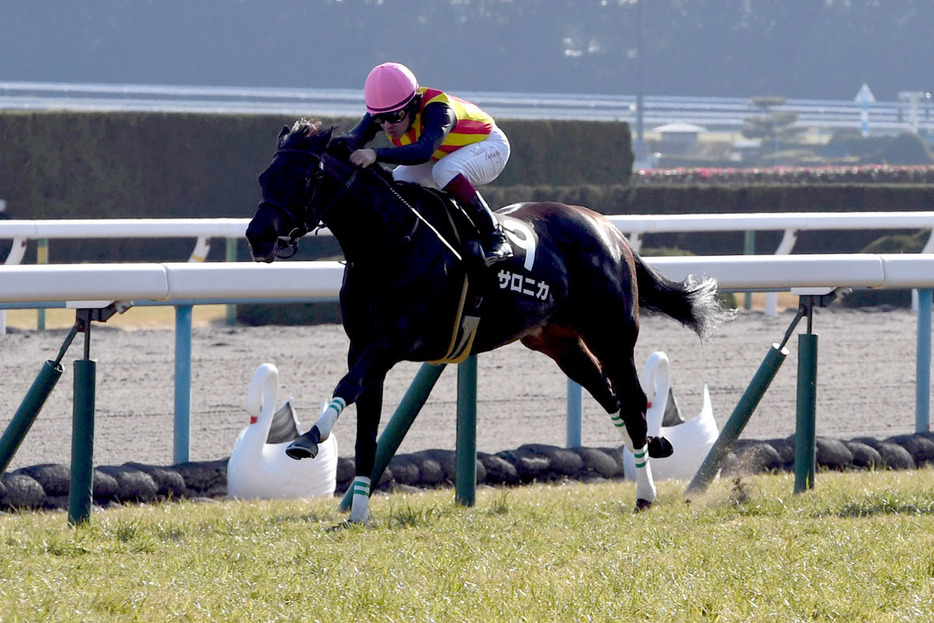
pixel 496 255
pixel 497 248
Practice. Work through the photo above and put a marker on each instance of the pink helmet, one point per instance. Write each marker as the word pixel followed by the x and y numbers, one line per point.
pixel 389 87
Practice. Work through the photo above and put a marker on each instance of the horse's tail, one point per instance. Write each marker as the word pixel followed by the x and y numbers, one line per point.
pixel 695 304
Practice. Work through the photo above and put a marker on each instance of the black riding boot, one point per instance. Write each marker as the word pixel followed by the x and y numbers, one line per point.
pixel 492 237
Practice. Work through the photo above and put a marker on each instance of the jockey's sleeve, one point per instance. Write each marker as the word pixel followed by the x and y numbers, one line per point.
pixel 438 119
pixel 364 132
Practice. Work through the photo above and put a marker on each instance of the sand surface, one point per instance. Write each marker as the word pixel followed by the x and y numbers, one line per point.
pixel 865 385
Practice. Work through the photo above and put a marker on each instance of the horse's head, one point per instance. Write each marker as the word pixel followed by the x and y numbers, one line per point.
pixel 290 185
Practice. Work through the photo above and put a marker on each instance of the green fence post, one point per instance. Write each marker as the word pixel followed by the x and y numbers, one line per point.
pixel 42 257
pixel 181 435
pixel 575 421
pixel 25 416
pixel 805 439
pixel 923 362
pixel 82 443
pixel 749 248
pixel 231 256
pixel 738 420
pixel 465 482
pixel 33 402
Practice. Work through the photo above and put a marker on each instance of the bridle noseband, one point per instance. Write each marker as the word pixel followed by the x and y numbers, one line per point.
pixel 301 226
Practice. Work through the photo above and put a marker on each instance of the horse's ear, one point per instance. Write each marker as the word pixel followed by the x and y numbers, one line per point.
pixel 282 135
pixel 339 145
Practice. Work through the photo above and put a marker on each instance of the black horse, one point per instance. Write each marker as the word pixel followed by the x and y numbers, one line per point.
pixel 411 291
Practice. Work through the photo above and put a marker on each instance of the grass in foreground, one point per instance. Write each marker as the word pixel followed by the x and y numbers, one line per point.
pixel 858 548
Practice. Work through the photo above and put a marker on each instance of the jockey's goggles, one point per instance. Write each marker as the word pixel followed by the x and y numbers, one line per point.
pixel 390 117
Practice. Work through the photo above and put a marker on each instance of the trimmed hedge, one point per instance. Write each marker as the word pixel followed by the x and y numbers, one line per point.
pixel 135 165
pixel 734 199
pixel 710 199
pixel 567 153
pixel 147 165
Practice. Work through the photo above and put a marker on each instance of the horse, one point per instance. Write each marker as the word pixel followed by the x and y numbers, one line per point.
pixel 573 290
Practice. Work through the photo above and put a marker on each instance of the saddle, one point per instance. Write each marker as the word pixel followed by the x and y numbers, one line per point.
pixel 466 238
pixel 469 308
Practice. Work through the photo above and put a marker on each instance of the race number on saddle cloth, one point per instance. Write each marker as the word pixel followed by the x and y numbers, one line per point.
pixel 518 279
pixel 439 141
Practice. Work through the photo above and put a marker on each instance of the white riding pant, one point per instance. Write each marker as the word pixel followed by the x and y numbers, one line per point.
pixel 480 163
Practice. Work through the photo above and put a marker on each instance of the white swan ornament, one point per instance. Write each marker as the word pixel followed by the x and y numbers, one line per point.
pixel 691 439
pixel 259 467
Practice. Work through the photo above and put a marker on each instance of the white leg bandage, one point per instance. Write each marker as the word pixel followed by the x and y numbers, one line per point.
pixel 360 500
pixel 645 485
pixel 621 427
pixel 329 417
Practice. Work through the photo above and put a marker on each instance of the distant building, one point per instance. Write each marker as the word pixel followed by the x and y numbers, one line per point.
pixel 678 138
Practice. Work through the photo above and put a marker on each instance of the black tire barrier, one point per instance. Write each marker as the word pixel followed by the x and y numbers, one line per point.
pixel 864 455
pixel 46 486
pixel 756 457
pixel 833 454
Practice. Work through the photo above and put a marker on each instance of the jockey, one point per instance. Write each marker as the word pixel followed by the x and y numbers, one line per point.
pixel 439 141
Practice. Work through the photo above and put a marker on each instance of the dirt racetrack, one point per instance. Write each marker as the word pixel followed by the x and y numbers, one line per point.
pixel 866 385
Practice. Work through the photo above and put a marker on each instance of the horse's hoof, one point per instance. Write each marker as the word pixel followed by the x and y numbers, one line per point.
pixel 659 447
pixel 343 525
pixel 304 447
pixel 642 505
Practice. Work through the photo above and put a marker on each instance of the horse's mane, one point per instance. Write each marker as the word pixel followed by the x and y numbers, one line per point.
pixel 304 133
pixel 309 134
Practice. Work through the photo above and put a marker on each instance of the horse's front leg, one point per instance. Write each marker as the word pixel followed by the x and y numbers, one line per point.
pixel 368 368
pixel 369 408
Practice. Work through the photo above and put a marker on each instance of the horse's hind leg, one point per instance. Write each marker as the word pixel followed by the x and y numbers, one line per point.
pixel 613 349
pixel 567 349
pixel 582 366
pixel 630 421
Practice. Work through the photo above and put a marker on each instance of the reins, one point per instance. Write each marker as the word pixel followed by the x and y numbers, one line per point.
pixel 302 227
pixel 418 218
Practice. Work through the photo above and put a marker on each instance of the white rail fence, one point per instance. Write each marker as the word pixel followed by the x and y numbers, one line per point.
pixel 636 226
pixel 182 285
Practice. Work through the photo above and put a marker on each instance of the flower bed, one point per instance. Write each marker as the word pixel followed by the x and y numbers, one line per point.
pixel 857 174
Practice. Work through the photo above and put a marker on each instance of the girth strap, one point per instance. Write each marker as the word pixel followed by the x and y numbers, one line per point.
pixel 465 330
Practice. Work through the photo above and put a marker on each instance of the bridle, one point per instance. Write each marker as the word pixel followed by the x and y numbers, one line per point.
pixel 287 245
pixel 289 242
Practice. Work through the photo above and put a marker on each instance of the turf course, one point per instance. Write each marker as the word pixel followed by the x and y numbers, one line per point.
pixel 859 547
